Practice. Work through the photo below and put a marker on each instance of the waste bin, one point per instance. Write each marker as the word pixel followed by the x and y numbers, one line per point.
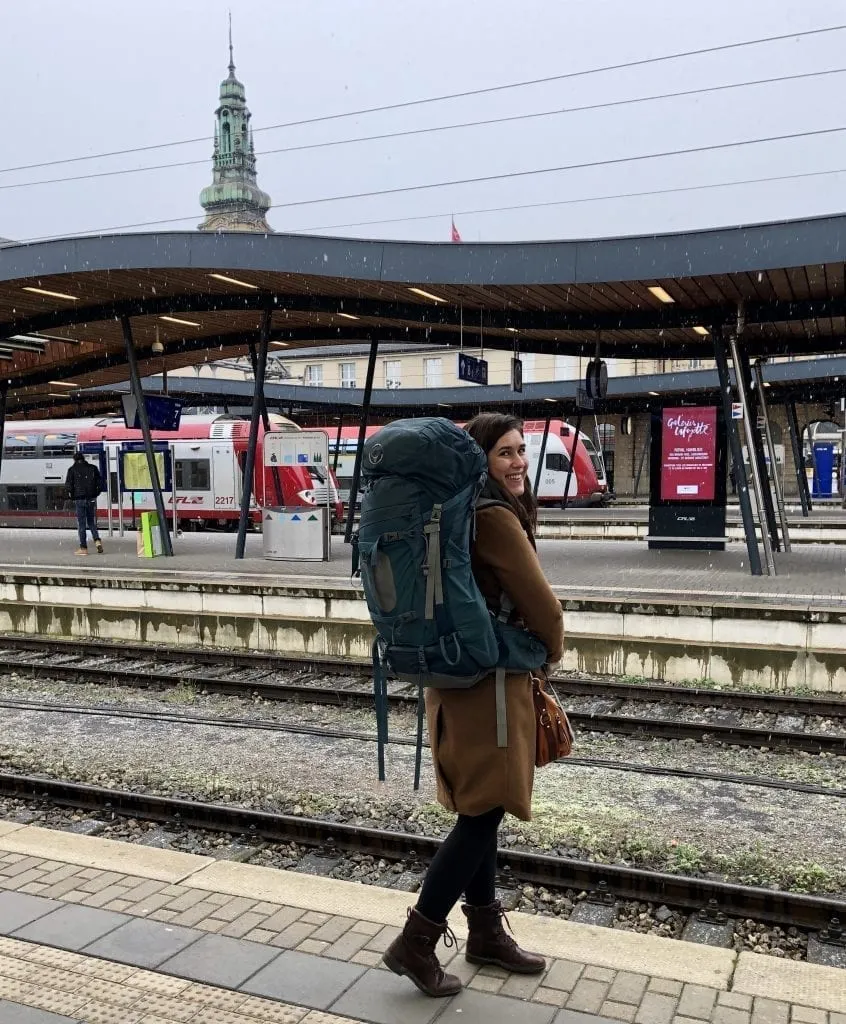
pixel 295 533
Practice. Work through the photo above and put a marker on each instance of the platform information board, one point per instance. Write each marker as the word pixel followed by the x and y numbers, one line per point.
pixel 688 453
pixel 294 532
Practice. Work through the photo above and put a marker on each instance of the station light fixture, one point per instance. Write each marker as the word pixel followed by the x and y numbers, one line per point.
pixel 176 320
pixel 550 399
pixel 512 329
pixel 653 393
pixel 61 383
pixel 660 293
pixel 234 280
pixel 57 394
pixel 349 316
pixel 49 294
pixel 280 344
pixel 701 330
pixel 427 295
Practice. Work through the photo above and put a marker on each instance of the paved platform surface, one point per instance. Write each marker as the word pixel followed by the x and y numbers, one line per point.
pixel 102 932
pixel 811 573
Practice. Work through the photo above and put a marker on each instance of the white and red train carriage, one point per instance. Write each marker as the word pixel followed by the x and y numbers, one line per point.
pixel 208 453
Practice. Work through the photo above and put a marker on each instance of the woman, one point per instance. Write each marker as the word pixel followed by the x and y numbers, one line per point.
pixel 476 778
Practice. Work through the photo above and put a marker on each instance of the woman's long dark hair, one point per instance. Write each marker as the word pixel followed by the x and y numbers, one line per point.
pixel 486 429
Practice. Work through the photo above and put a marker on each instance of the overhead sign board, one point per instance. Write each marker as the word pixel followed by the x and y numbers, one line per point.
pixel 471 369
pixel 163 412
pixel 688 453
pixel 736 411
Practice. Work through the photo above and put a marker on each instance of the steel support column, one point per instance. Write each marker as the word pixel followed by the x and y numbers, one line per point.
pixel 736 448
pixel 749 430
pixel 542 456
pixel 754 400
pixel 573 446
pixel 4 394
pixel 250 459
pixel 338 444
pixel 362 436
pixel 768 434
pixel 798 459
pixel 138 394
pixel 265 418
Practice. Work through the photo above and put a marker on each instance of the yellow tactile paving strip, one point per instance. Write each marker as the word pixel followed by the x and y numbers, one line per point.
pixel 99 992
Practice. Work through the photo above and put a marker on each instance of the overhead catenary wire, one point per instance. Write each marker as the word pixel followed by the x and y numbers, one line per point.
pixel 485 90
pixel 505 176
pixel 410 132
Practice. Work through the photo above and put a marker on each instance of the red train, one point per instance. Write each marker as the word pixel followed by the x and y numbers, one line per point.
pixel 208 454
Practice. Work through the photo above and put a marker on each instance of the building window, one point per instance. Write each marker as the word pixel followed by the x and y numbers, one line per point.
pixel 393 373
pixel 432 372
pixel 313 376
pixel 528 359
pixel 347 374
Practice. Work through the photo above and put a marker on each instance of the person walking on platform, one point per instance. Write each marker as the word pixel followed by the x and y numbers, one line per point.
pixel 476 778
pixel 83 485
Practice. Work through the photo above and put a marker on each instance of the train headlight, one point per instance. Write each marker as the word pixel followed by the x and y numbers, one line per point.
pixel 307 497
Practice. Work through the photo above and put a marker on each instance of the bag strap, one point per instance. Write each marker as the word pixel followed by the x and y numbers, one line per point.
pixel 380 696
pixel 418 752
pixel 432 568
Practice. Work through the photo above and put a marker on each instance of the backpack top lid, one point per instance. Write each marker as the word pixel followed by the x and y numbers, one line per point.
pixel 429 451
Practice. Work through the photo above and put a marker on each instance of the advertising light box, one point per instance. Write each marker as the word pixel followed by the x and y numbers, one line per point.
pixel 688 453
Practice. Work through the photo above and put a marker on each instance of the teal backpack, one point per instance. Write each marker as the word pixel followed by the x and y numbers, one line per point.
pixel 421 481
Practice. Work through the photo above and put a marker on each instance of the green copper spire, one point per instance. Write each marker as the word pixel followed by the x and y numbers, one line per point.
pixel 233 202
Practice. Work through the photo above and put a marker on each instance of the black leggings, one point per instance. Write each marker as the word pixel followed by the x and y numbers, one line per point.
pixel 465 863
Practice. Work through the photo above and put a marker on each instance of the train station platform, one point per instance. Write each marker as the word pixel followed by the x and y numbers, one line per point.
pixel 811 574
pixel 97 931
pixel 675 616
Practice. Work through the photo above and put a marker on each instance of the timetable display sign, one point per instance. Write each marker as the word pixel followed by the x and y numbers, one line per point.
pixel 689 453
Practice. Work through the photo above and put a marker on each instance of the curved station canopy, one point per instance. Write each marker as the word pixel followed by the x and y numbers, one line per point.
pixel 65 304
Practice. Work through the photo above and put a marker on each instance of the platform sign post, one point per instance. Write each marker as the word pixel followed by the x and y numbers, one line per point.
pixel 687 499
pixel 473 370
pixel 298 532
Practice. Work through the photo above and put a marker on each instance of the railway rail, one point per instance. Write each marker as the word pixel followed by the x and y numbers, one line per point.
pixel 610 881
pixel 326 733
pixel 238 673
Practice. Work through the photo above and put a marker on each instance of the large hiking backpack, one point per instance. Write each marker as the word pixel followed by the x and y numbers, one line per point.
pixel 422 479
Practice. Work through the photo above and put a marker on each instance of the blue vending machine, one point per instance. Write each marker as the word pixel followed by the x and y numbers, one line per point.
pixel 823 469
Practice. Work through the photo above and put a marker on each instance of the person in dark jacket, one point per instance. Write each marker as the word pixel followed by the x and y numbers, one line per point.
pixel 83 484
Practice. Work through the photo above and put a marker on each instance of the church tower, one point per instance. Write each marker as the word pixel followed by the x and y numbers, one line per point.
pixel 233 202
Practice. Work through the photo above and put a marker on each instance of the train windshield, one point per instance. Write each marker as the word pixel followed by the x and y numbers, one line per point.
pixel 594 457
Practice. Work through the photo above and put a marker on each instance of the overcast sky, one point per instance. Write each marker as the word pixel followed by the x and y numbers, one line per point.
pixel 87 76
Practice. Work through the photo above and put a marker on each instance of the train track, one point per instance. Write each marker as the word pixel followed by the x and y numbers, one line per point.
pixel 238 673
pixel 612 881
pixel 326 733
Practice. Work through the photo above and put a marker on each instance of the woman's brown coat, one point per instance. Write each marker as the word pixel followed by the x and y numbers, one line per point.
pixel 474 775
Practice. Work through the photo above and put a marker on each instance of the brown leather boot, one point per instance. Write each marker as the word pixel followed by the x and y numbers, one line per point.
pixel 412 955
pixel 489 942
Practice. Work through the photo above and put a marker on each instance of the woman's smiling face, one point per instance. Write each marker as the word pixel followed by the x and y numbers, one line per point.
pixel 507 463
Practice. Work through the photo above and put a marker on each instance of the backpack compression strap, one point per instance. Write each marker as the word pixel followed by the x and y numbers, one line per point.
pixel 506 607
pixel 432 568
pixel 380 694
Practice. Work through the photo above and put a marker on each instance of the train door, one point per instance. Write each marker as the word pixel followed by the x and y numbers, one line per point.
pixel 226 479
pixel 193 479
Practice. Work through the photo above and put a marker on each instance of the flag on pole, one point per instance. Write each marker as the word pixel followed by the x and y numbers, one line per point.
pixel 454 237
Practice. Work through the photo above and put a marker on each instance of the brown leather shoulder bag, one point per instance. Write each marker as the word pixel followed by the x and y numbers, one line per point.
pixel 554 732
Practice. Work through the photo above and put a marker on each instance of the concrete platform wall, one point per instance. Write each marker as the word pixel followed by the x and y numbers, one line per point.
pixel 730 643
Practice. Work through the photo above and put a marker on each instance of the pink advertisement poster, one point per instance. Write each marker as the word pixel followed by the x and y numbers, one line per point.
pixel 688 453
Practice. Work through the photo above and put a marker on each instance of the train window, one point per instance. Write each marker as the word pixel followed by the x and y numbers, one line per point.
pixel 557 462
pixel 20 446
pixel 57 446
pixel 193 475
pixel 22 499
pixel 54 499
